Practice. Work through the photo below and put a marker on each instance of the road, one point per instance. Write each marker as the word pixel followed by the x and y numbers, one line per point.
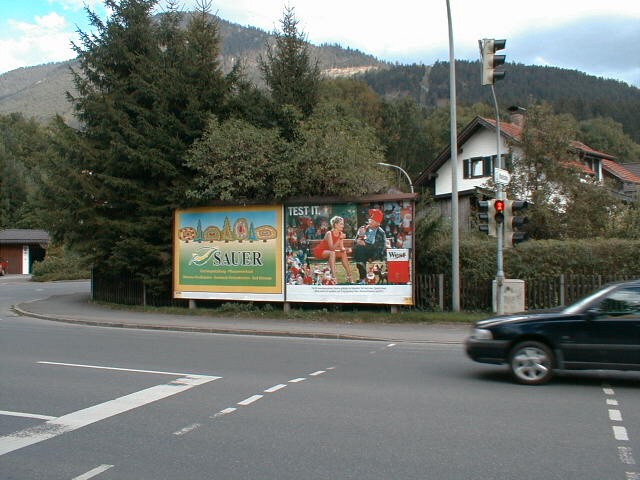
pixel 80 402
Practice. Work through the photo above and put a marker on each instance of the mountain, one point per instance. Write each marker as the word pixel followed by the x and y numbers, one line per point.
pixel 39 91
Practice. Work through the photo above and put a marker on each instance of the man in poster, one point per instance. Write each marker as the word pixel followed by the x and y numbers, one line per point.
pixel 370 243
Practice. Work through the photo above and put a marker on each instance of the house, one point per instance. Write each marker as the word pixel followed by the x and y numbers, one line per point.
pixel 477 148
pixel 23 247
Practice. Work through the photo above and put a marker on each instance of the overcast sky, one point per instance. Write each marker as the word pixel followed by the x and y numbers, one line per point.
pixel 600 38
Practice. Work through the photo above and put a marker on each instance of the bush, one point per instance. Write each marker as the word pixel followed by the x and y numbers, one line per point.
pixel 60 264
pixel 535 259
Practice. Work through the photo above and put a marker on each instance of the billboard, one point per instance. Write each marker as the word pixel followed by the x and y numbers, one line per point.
pixel 350 252
pixel 231 253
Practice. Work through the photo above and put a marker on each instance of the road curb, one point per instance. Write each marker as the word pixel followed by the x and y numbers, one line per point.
pixel 21 310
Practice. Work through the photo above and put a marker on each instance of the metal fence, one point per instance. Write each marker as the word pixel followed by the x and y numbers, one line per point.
pixel 432 292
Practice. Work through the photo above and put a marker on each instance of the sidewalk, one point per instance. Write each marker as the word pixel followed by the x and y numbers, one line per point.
pixel 78 308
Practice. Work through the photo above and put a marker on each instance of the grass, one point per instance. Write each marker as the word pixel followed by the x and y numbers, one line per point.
pixel 344 313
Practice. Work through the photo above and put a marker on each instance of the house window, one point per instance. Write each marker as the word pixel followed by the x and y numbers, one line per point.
pixel 478 167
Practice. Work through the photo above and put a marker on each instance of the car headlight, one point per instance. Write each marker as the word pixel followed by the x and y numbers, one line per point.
pixel 482 334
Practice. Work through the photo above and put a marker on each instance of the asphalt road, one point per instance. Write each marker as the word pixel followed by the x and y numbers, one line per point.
pixel 80 402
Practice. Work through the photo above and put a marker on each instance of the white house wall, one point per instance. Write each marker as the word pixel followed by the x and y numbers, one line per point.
pixel 481 144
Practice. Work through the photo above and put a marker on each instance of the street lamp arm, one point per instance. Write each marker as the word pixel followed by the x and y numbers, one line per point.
pixel 402 170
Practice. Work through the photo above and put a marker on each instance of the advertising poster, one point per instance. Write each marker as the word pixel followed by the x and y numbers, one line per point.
pixel 349 253
pixel 231 253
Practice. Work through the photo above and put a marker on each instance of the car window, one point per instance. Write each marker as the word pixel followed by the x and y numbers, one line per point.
pixel 624 302
pixel 581 304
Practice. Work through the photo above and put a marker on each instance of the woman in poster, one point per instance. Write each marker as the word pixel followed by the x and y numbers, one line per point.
pixel 332 247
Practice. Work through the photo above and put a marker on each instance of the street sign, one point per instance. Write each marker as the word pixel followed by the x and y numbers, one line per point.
pixel 501 177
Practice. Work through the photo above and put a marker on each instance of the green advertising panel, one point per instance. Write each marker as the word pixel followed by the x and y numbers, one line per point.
pixel 231 253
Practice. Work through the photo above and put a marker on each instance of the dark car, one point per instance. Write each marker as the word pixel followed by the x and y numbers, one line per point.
pixel 601 331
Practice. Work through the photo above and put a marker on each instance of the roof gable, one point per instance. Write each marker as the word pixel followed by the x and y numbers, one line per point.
pixel 509 130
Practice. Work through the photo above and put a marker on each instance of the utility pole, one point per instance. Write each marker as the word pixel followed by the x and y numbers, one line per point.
pixel 455 234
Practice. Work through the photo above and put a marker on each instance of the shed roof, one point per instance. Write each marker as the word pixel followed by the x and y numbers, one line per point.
pixel 23 236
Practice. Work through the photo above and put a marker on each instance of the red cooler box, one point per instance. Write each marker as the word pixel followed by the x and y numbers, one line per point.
pixel 398 265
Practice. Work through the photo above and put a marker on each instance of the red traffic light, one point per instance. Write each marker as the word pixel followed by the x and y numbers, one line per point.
pixel 499 205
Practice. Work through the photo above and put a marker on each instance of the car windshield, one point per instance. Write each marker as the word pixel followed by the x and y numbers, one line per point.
pixel 581 304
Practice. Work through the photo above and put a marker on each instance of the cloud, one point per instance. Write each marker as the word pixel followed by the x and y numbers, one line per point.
pixel 604 46
pixel 76 5
pixel 45 40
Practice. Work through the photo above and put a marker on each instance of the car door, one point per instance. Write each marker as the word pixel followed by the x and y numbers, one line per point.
pixel 615 326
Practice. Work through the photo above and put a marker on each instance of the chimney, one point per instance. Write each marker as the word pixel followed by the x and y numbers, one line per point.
pixel 517 115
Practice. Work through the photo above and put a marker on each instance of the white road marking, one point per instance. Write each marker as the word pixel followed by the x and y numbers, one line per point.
pixel 99 367
pixel 187 429
pixel 608 391
pixel 250 400
pixel 93 473
pixel 615 415
pixel 391 345
pixel 319 372
pixel 275 388
pixel 87 416
pixel 226 411
pixel 297 380
pixel 26 415
pixel 612 401
pixel 620 433
pixel 626 455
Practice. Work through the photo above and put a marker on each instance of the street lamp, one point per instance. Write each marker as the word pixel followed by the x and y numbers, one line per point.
pixel 402 170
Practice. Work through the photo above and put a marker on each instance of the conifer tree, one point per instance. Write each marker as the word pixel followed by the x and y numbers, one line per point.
pixel 292 77
pixel 144 91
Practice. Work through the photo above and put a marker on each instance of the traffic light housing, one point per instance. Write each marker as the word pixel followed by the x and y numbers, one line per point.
pixel 498 208
pixel 488 48
pixel 486 217
pixel 514 221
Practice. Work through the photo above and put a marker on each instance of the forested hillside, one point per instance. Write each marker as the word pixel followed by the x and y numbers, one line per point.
pixel 569 91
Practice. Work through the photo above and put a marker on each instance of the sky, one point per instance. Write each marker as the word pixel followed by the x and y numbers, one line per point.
pixel 598 37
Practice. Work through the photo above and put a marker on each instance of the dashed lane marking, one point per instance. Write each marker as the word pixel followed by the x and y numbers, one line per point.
pixel 92 473
pixel 275 388
pixel 250 400
pixel 187 429
pixel 625 453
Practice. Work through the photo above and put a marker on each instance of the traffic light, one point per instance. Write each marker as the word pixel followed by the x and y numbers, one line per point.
pixel 486 217
pixel 514 221
pixel 498 208
pixel 488 47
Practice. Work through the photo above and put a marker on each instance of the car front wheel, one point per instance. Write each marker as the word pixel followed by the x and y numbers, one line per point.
pixel 531 363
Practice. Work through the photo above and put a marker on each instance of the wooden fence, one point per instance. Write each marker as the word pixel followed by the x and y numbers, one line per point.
pixel 432 292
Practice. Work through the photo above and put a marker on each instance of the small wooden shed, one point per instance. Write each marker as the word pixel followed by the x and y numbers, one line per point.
pixel 22 247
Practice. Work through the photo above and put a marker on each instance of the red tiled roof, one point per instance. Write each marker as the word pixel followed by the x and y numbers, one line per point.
pixel 510 129
pixel 620 172
pixel 587 149
pixel 579 166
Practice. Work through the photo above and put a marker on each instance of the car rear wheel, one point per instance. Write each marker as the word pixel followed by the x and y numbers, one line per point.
pixel 531 363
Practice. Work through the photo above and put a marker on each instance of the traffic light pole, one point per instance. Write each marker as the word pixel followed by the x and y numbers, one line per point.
pixel 500 227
